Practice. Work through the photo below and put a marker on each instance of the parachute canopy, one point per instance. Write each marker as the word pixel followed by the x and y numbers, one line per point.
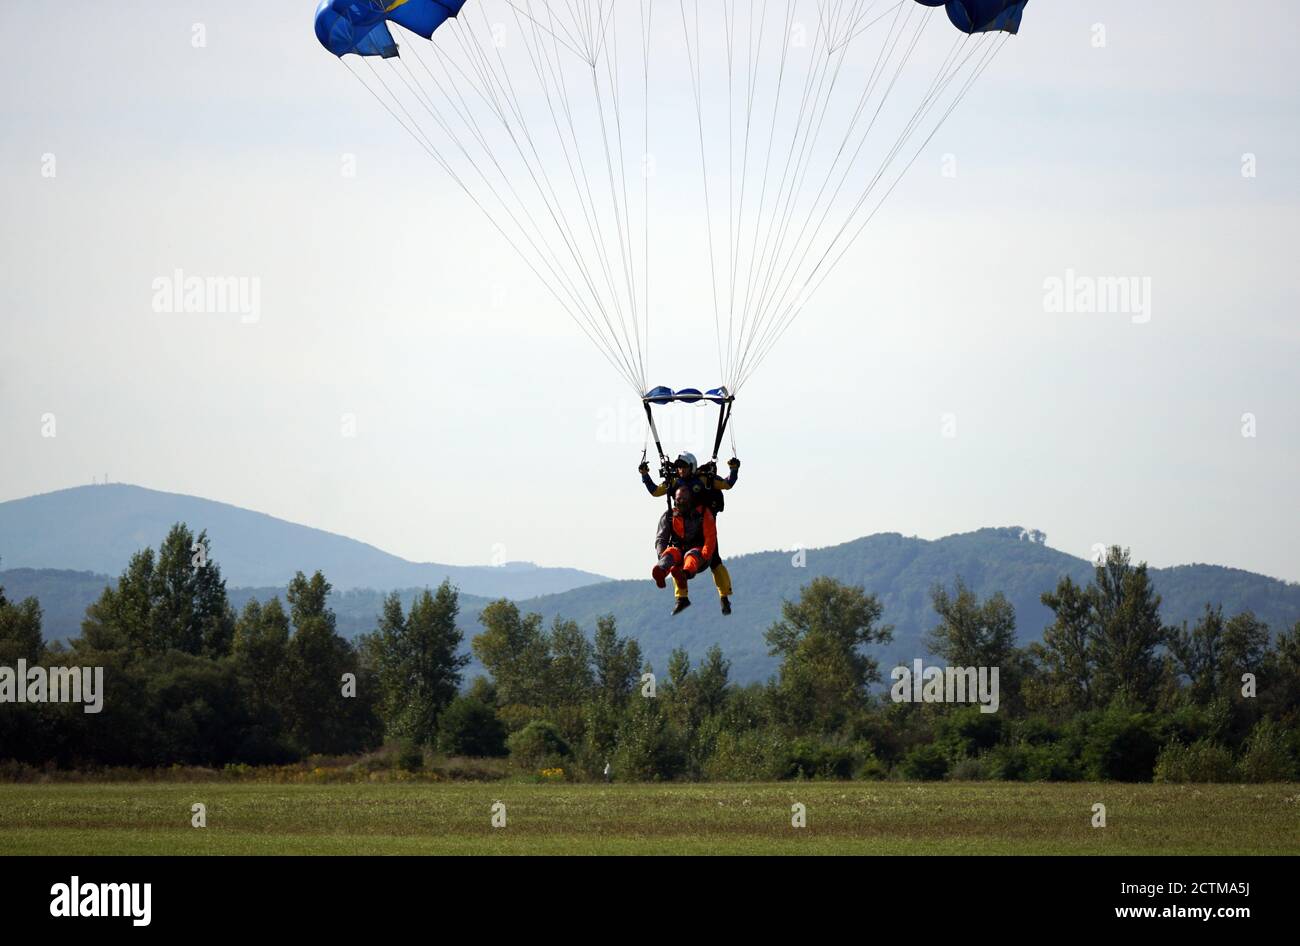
pixel 361 26
pixel 680 162
pixel 982 16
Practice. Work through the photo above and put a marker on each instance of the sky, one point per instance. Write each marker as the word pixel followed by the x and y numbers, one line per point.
pixel 408 382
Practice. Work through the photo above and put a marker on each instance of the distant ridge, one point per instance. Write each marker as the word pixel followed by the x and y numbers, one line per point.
pixel 898 569
pixel 98 528
pixel 901 571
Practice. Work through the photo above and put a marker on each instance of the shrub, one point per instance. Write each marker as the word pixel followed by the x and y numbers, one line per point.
pixel 1121 747
pixel 815 758
pixel 1202 761
pixel 1267 757
pixel 410 757
pixel 1025 762
pixel 967 732
pixel 14 771
pixel 470 727
pixel 1054 763
pixel 537 743
pixel 1010 763
pixel 1188 724
pixel 927 763
pixel 1036 731
pixel 872 769
pixel 649 749
pixel 755 755
pixel 969 770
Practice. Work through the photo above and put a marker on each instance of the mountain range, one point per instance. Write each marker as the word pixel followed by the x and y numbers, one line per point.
pixel 901 570
pixel 99 528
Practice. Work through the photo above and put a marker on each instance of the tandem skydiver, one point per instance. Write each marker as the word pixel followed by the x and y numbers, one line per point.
pixel 684 470
pixel 706 487
pixel 704 490
pixel 686 543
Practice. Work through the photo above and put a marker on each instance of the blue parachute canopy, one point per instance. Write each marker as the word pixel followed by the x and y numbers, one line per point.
pixel 361 26
pixel 663 395
pixel 982 16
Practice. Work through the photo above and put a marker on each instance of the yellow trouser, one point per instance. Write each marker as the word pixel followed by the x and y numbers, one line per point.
pixel 721 578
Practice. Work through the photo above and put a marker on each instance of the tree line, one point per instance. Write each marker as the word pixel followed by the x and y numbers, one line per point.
pixel 1109 693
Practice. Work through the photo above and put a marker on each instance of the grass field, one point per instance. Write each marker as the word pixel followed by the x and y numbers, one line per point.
pixel 842 818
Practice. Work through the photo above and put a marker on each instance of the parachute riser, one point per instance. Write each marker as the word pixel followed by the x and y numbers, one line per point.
pixel 654 431
pixel 725 401
pixel 724 415
pixel 664 466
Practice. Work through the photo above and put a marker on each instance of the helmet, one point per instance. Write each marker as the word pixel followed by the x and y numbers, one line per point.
pixel 687 459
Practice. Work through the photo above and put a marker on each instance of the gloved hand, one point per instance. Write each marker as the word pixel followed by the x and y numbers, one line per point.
pixel 644 468
pixel 734 463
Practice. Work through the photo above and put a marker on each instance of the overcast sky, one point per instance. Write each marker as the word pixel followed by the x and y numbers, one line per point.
pixel 925 390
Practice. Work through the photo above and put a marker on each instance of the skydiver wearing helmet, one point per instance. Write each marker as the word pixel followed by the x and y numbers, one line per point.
pixel 704 488
pixel 687 542
pixel 685 471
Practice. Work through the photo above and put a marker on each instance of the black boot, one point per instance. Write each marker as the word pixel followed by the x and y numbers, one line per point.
pixel 682 605
pixel 726 605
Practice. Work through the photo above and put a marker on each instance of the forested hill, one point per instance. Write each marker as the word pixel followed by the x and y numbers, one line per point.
pixel 900 570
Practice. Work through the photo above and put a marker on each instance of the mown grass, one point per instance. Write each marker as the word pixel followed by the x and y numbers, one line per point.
pixel 843 818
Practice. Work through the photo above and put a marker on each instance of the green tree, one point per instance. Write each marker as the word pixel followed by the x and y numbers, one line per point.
pixel 971 633
pixel 417 662
pixel 20 631
pixel 471 727
pixel 1279 678
pixel 382 651
pixel 173 601
pixel 515 651
pixel 321 716
pixel 649 748
pixel 693 695
pixel 824 673
pixel 1126 630
pixel 617 662
pixel 482 688
pixel 261 646
pixel 1198 653
pixel 24 734
pixel 1121 744
pixel 1266 756
pixel 709 695
pixel 120 619
pixel 1215 653
pixel 1064 657
pixel 679 669
pixel 538 744
pixel 570 665
pixel 1245 649
pixel 711 679
pixel 1103 643
pixel 191 613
